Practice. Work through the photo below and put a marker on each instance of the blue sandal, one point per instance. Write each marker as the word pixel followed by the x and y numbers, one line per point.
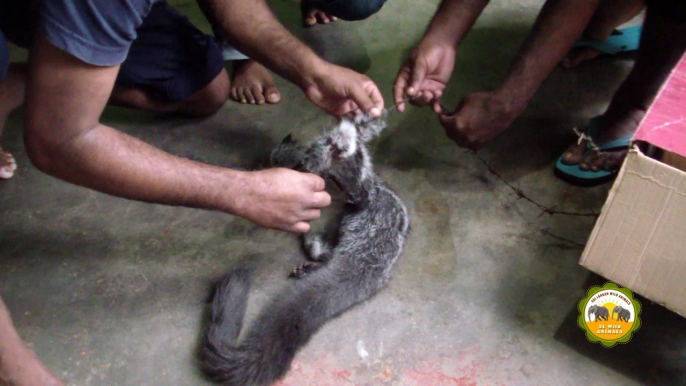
pixel 621 40
pixel 573 173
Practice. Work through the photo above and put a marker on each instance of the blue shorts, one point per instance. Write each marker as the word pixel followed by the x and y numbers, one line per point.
pixel 160 50
pixel 4 56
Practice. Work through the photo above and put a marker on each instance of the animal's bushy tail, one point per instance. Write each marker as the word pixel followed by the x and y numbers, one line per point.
pixel 219 354
pixel 285 324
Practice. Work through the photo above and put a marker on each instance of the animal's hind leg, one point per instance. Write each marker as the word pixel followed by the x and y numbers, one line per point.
pixel 304 269
pixel 317 248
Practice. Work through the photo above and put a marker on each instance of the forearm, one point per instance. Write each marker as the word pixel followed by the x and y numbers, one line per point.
pixel 254 29
pixel 559 25
pixel 112 162
pixel 452 21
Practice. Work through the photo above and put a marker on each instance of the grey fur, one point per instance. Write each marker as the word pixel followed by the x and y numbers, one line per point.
pixel 370 238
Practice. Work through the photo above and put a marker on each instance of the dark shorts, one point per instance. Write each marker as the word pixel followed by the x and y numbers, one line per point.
pixel 4 56
pixel 168 58
pixel 171 59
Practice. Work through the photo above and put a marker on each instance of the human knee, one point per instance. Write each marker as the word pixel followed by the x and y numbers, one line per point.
pixel 210 99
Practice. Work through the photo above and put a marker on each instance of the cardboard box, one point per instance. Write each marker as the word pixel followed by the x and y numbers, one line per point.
pixel 639 240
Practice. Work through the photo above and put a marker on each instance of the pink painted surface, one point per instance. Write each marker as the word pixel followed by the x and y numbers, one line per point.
pixel 665 123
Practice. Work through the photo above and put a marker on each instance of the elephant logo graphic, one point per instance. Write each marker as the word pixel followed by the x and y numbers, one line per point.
pixel 600 312
pixel 609 314
pixel 622 314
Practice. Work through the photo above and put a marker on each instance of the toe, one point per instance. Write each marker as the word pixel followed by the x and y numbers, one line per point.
pixel 257 93
pixel 234 94
pixel 6 172
pixel 574 153
pixel 322 18
pixel 248 96
pixel 310 18
pixel 592 162
pixel 272 94
pixel 243 95
pixel 613 160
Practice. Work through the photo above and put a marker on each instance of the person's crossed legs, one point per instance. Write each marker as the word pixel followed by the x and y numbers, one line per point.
pixel 172 67
pixel 252 83
pixel 662 44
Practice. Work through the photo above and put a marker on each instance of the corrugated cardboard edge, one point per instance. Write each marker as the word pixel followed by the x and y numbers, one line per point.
pixel 632 165
pixel 603 212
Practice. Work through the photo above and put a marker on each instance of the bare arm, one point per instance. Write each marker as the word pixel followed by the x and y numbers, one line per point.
pixel 453 21
pixel 481 117
pixel 428 68
pixel 64 138
pixel 559 25
pixel 252 27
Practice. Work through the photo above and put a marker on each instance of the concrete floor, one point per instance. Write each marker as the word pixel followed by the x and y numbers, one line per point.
pixel 113 292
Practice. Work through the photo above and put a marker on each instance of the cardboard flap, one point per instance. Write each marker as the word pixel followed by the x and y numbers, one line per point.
pixel 639 240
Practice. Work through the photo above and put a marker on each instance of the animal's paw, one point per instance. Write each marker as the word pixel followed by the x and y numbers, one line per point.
pixel 303 269
pixel 288 154
pixel 316 248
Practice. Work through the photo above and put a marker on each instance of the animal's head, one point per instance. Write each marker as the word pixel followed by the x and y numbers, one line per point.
pixel 617 309
pixel 288 154
pixel 354 132
pixel 344 140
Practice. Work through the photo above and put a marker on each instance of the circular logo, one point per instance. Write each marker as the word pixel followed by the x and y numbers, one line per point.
pixel 609 314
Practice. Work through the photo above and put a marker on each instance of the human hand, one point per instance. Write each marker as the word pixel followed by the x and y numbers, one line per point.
pixel 424 75
pixel 478 119
pixel 339 91
pixel 283 199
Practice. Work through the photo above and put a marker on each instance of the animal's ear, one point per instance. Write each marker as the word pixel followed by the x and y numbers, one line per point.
pixel 288 139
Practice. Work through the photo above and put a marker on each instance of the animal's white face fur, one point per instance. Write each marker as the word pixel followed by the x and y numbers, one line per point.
pixel 344 138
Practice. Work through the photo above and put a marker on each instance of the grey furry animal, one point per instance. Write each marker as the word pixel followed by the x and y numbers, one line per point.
pixel 622 314
pixel 599 311
pixel 345 270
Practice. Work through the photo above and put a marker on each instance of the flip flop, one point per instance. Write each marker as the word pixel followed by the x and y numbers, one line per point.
pixel 621 40
pixel 573 173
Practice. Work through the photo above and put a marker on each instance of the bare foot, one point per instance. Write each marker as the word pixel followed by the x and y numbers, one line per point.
pixel 610 129
pixel 252 83
pixel 7 164
pixel 312 16
pixel 578 55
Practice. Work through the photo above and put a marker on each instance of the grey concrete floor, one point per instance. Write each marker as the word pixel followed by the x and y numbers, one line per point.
pixel 113 292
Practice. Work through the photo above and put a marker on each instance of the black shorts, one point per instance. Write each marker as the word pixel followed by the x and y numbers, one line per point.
pixel 170 59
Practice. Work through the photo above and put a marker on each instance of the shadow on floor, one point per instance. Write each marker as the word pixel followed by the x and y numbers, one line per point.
pixel 655 354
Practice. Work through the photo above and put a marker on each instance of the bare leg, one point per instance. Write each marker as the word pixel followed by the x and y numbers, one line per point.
pixel 662 45
pixel 252 83
pixel 19 366
pixel 12 91
pixel 203 102
pixel 609 15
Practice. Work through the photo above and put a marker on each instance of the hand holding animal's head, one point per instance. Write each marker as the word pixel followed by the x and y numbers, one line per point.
pixel 369 126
